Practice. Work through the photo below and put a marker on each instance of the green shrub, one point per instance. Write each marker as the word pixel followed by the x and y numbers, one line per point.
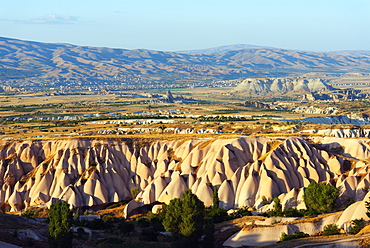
pixel 309 213
pixel 277 208
pixel 60 222
pixel 367 205
pixel 292 212
pixel 356 226
pixel 217 215
pixel 108 218
pixel 320 197
pixel 240 212
pixel 215 199
pixel 296 235
pixel 134 191
pixel 30 214
pixel 331 229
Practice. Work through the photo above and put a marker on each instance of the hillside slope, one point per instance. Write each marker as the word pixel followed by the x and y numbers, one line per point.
pixel 26 59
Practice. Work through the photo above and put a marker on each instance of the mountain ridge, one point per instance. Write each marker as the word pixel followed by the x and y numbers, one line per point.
pixel 21 59
pixel 221 49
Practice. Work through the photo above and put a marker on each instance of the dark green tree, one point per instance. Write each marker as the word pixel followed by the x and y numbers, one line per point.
pixel 367 205
pixel 277 205
pixel 162 127
pixel 60 222
pixel 356 226
pixel 192 215
pixel 320 197
pixel 216 200
pixel 185 219
pixel 172 216
pixel 277 209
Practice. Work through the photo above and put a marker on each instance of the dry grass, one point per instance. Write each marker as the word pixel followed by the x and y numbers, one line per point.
pixel 206 143
pixel 29 175
pixel 87 173
pixel 116 212
pixel 366 229
pixel 309 220
pixel 198 167
pixel 272 146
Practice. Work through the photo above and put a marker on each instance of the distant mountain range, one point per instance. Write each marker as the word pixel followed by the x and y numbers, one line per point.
pixel 21 59
pixel 222 49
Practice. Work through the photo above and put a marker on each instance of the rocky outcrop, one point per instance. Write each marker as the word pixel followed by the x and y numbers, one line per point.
pixel 248 171
pixel 259 105
pixel 281 85
pixel 341 132
pixel 267 234
pixel 315 110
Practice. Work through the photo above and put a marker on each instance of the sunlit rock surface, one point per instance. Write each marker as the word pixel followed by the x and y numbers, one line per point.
pixel 248 171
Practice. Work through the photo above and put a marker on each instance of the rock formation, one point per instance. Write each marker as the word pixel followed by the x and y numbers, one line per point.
pixel 247 170
pixel 259 105
pixel 281 85
pixel 315 110
pixel 354 132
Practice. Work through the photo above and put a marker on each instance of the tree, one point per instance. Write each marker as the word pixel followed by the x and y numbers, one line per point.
pixel 320 197
pixel 173 216
pixel 277 205
pixel 60 222
pixel 185 218
pixel 134 191
pixel 367 205
pixel 162 127
pixel 277 209
pixel 216 200
pixel 192 215
pixel 356 226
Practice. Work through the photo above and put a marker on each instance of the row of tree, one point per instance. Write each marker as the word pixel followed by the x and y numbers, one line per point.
pixel 187 218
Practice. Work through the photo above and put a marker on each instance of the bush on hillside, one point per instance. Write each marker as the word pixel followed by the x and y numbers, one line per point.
pixel 356 226
pixel 217 215
pixel 331 229
pixel 240 212
pixel 296 235
pixel 320 197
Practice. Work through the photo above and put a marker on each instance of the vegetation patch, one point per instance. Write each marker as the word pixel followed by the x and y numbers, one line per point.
pixel 296 235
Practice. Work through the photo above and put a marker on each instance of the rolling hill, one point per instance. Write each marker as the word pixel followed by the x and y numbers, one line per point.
pixel 39 61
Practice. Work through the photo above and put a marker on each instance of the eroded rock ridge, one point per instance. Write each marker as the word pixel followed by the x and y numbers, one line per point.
pixel 248 171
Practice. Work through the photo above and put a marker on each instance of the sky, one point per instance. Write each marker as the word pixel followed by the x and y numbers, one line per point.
pixel 175 25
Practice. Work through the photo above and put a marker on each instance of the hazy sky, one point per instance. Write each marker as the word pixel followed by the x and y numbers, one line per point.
pixel 171 25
